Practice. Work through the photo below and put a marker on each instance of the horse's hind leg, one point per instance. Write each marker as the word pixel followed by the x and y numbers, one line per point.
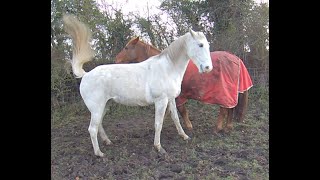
pixel 104 136
pixel 229 125
pixel 101 131
pixel 97 111
pixel 222 115
pixel 95 122
pixel 241 107
pixel 184 113
pixel 175 118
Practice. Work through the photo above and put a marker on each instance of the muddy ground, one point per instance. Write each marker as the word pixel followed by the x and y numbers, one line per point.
pixel 241 154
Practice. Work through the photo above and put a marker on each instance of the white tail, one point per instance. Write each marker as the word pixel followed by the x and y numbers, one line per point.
pixel 81 36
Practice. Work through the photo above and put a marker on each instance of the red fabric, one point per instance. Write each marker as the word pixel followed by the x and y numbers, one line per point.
pixel 221 86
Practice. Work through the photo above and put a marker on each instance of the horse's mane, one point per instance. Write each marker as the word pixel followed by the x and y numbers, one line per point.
pixel 176 48
pixel 150 45
pixel 131 40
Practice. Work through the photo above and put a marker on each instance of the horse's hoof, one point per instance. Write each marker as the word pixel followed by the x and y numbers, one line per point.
pixel 162 151
pixel 217 131
pixel 190 133
pixel 226 131
pixel 108 143
pixel 100 154
pixel 240 120
pixel 187 139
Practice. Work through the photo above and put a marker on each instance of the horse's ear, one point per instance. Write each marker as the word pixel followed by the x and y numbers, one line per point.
pixel 135 40
pixel 193 34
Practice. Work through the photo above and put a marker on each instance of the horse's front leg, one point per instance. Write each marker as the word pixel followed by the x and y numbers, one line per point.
pixel 160 109
pixel 175 118
pixel 184 113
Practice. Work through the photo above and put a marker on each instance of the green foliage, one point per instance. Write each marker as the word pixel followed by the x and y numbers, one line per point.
pixel 260 93
pixel 63 83
pixel 259 100
pixel 109 33
pixel 233 26
pixel 228 25
pixel 67 114
pixel 185 14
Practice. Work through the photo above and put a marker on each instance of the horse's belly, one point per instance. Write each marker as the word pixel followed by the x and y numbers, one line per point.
pixel 131 101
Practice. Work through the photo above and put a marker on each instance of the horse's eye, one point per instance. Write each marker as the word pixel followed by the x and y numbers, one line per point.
pixel 200 45
pixel 126 48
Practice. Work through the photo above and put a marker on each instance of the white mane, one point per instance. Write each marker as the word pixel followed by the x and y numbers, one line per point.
pixel 176 48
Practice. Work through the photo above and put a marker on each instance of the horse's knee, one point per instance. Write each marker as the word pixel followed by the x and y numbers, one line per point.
pixel 93 129
pixel 160 149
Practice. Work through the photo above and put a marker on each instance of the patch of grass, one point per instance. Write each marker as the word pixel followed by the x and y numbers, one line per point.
pixel 119 110
pixel 259 101
pixel 67 113
pixel 144 173
pixel 241 154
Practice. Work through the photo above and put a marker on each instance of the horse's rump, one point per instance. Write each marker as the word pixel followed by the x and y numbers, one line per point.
pixel 245 82
pixel 220 86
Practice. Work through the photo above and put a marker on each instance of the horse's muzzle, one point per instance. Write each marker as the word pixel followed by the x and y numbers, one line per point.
pixel 205 68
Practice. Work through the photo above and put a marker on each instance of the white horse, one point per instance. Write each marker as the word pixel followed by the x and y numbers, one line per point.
pixel 154 81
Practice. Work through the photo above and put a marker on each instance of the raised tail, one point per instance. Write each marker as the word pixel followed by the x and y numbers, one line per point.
pixel 81 36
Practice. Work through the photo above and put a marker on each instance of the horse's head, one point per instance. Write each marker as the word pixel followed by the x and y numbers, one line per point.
pixel 198 51
pixel 136 51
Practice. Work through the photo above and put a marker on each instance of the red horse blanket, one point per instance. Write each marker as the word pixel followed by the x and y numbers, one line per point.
pixel 220 86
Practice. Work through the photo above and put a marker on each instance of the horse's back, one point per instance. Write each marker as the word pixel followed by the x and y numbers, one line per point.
pixel 115 81
pixel 228 55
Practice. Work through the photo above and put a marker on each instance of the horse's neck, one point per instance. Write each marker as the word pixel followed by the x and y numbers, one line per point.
pixel 177 54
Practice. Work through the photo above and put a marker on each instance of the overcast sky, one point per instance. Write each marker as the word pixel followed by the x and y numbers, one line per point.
pixel 141 6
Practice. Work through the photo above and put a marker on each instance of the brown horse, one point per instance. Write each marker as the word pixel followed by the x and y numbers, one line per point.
pixel 226 85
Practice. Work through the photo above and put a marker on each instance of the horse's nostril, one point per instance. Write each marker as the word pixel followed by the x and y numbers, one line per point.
pixel 207 67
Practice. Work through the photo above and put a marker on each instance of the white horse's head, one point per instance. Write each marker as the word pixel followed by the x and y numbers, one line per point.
pixel 198 51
